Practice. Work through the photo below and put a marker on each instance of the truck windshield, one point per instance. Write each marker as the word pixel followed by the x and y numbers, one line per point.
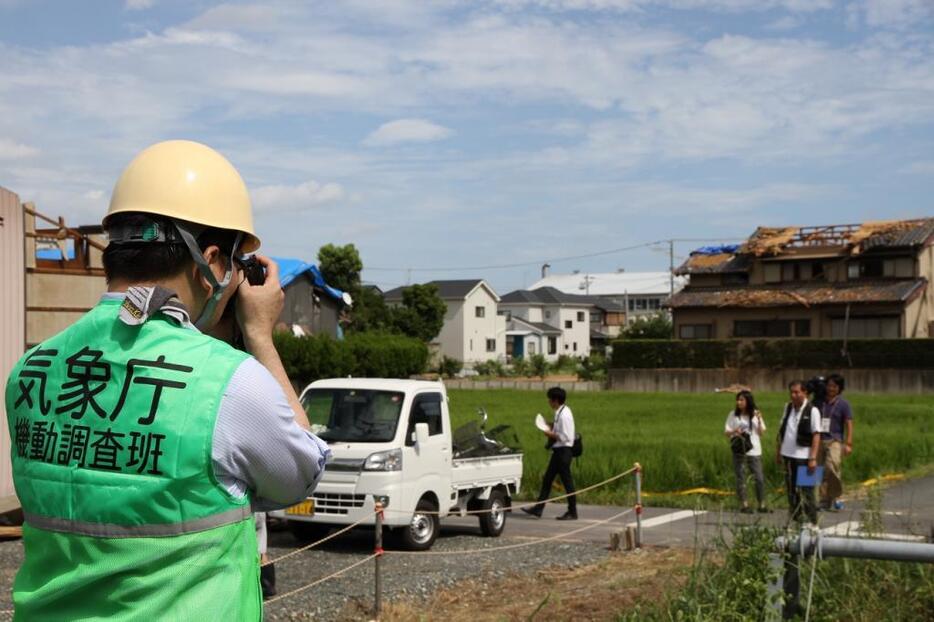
pixel 353 415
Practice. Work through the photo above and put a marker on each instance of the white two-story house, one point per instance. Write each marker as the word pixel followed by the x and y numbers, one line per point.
pixel 473 331
pixel 546 321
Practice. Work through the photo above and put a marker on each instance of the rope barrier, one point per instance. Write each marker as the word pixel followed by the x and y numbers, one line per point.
pixel 523 505
pixel 321 580
pixel 515 546
pixel 307 547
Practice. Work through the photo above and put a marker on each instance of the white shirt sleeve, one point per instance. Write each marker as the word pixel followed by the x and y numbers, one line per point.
pixel 258 447
pixel 730 425
pixel 815 420
pixel 564 427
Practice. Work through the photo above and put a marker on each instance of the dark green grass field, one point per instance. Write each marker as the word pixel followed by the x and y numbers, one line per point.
pixel 678 439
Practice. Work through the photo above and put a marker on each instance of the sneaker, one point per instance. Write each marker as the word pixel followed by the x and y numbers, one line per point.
pixel 764 510
pixel 566 516
pixel 838 505
pixel 746 510
pixel 532 512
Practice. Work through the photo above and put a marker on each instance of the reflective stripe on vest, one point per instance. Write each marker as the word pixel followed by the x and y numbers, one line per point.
pixel 105 530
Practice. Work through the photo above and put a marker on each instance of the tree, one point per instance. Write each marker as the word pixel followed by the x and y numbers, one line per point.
pixel 370 313
pixel 657 326
pixel 341 266
pixel 421 313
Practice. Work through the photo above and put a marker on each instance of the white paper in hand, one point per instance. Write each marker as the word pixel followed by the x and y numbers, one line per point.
pixel 541 424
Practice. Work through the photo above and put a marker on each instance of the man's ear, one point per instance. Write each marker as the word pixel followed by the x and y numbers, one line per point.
pixel 213 257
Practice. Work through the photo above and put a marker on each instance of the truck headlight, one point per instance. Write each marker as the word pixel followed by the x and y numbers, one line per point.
pixel 384 461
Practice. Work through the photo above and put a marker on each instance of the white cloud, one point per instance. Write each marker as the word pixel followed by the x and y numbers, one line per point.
pixel 407 131
pixel 645 5
pixel 12 150
pixel 138 5
pixel 309 194
pixel 894 13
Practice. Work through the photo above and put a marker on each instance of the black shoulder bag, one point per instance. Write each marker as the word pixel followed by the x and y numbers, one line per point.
pixel 742 444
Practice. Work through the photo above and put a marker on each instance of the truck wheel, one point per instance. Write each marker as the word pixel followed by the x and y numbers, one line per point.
pixel 422 530
pixel 307 533
pixel 493 521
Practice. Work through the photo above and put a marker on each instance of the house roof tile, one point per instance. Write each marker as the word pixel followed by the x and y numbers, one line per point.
pixel 893 291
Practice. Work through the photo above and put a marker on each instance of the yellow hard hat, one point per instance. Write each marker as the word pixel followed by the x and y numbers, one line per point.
pixel 185 180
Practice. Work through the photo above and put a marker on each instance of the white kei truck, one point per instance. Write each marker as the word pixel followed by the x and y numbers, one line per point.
pixel 391 441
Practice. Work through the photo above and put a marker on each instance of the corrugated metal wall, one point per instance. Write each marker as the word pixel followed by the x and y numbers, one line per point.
pixel 12 314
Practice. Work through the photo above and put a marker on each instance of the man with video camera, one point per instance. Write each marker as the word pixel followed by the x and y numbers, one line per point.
pixel 142 444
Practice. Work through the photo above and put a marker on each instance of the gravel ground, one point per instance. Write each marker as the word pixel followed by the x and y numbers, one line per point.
pixel 404 576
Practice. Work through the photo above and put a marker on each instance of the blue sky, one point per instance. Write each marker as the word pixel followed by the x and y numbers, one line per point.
pixel 441 134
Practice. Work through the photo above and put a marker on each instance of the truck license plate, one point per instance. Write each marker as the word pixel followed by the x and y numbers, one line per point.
pixel 305 508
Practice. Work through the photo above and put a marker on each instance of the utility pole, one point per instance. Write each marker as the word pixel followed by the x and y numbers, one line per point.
pixel 671 267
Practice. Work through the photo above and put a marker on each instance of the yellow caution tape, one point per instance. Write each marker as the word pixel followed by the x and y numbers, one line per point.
pixel 889 477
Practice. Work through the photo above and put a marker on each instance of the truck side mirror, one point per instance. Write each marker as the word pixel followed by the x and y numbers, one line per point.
pixel 421 433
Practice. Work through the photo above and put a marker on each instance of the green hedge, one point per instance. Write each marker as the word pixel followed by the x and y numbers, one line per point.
pixel 773 353
pixel 363 355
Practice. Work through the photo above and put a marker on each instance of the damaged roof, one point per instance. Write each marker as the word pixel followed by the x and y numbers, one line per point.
pixel 824 240
pixel 719 263
pixel 866 292
pixel 851 238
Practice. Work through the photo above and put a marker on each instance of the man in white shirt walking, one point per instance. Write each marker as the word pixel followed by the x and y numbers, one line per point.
pixel 798 444
pixel 561 442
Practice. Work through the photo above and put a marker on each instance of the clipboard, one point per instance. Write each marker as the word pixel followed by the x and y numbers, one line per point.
pixel 809 480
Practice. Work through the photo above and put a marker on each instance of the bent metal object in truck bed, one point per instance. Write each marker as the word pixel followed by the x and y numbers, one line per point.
pixel 391 441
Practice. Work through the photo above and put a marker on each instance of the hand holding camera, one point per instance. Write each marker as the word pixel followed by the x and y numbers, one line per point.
pixel 260 300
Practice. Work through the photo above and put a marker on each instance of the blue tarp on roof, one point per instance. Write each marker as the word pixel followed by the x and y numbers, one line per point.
pixel 723 249
pixel 291 269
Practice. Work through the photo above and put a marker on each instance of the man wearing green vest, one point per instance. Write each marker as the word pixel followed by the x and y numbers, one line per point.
pixel 141 445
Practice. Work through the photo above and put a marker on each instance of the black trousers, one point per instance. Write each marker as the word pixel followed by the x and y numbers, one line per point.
pixel 558 466
pixel 800 499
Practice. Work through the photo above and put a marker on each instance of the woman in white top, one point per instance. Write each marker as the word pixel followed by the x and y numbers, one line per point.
pixel 744 428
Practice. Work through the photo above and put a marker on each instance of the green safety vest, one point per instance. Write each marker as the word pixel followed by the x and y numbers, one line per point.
pixel 111 428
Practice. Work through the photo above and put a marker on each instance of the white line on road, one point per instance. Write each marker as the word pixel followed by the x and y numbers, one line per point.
pixel 665 519
pixel 852 528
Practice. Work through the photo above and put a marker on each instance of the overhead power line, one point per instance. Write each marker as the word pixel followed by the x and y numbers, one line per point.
pixel 539 262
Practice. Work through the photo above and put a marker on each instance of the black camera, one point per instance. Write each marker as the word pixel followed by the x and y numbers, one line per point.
pixel 254 271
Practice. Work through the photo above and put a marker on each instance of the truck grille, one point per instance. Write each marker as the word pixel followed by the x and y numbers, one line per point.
pixel 335 503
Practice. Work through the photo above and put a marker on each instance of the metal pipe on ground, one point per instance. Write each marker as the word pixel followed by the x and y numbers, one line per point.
pixel 811 542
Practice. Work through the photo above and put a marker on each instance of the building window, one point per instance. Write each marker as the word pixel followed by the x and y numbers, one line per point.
pixel 632 304
pixel 568 324
pixel 531 348
pixel 655 304
pixel 641 304
pixel 552 345
pixel 580 316
pixel 506 314
pixel 879 327
pixel 547 315
pixel 479 311
pixel 762 328
pixel 736 278
pixel 871 268
pixel 491 345
pixel 852 270
pixel 695 331
pixel 772 272
pixel 471 345
pixel 817 271
pixel 789 272
pixel 575 346
pixel 802 328
pixel 596 317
